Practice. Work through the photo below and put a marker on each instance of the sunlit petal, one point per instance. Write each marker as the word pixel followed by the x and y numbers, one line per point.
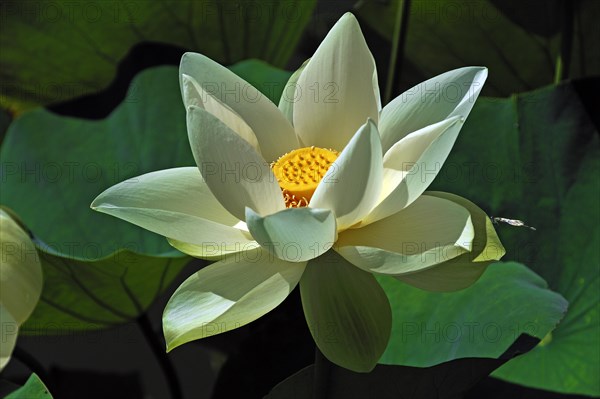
pixel 295 234
pixel 274 133
pixel 337 93
pixel 227 295
pixel 235 173
pixel 449 94
pixel 430 231
pixel 353 182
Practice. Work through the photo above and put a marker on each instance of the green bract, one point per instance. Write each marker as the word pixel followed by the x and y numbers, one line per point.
pixel 21 282
pixel 366 216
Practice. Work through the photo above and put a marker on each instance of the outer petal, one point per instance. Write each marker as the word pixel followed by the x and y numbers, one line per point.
pixel 20 282
pixel 295 234
pixel 194 94
pixel 464 270
pixel 347 312
pixel 430 231
pixel 20 268
pixel 236 174
pixel 177 204
pixel 449 94
pixel 411 165
pixel 10 331
pixel 274 133
pixel 227 295
pixel 353 182
pixel 337 93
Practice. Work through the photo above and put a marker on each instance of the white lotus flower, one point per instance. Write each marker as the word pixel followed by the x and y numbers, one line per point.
pixel 327 190
pixel 20 282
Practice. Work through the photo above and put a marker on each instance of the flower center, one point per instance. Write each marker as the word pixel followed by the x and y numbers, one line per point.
pixel 300 171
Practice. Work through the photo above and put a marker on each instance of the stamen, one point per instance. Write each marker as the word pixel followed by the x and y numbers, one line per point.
pixel 300 171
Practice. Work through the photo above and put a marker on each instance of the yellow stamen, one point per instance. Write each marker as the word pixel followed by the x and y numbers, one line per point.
pixel 300 171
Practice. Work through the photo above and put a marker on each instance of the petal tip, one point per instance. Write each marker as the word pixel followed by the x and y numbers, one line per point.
pixel 348 16
pixel 187 55
pixel 96 203
pixel 484 71
pixel 169 346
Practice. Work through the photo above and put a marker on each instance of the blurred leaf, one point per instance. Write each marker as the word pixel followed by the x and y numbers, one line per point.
pixel 536 157
pixel 96 384
pixel 431 328
pixel 99 271
pixel 34 388
pixel 57 50
pixel 444 381
pixel 586 52
pixel 536 17
pixel 446 35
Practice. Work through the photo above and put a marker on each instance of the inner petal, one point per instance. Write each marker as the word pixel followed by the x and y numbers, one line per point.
pixel 299 172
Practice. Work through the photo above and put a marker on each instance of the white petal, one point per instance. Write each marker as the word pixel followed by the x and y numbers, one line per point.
pixel 180 190
pixel 430 231
pixel 347 311
pixel 8 334
pixel 274 133
pixel 295 234
pixel 177 204
pixel 336 93
pixel 446 95
pixel 194 94
pixel 460 272
pixel 236 174
pixel 353 182
pixel 412 164
pixel 227 295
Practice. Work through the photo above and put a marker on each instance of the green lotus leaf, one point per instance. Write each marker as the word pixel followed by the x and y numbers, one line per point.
pixel 82 43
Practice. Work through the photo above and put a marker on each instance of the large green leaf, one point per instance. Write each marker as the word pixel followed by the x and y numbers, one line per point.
pixel 446 35
pixel 81 295
pixel 56 50
pixel 536 157
pixel 480 321
pixel 54 166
